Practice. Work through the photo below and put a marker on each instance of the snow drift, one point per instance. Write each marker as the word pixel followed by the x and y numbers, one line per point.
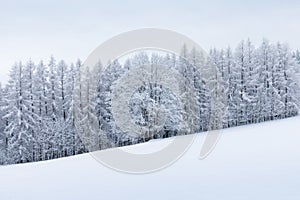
pixel 259 161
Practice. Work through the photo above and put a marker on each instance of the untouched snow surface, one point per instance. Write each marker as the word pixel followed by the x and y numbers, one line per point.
pixel 259 161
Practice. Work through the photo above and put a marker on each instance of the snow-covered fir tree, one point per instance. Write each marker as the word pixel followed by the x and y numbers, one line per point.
pixel 2 126
pixel 18 114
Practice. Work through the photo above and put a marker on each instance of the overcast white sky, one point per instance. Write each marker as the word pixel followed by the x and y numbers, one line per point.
pixel 72 29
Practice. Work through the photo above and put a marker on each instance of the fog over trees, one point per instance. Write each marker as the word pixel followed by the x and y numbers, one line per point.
pixel 41 102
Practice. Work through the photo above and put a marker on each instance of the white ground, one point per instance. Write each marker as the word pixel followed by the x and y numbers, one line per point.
pixel 252 162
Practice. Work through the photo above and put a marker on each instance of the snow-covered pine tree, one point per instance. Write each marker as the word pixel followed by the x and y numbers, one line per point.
pixel 53 110
pixel 114 72
pixel 29 102
pixel 290 69
pixel 89 125
pixel 103 104
pixel 264 90
pixel 161 97
pixel 72 140
pixel 221 65
pixel 41 87
pixel 2 126
pixel 184 68
pixel 19 118
pixel 232 92
pixel 102 140
pixel 251 83
pixel 61 135
pixel 297 76
pixel 72 144
pixel 278 83
pixel 198 86
pixel 77 106
pixel 242 82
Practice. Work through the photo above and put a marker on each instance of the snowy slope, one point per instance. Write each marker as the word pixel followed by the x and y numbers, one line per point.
pixel 252 162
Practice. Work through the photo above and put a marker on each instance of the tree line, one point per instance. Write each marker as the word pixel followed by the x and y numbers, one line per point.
pixel 47 108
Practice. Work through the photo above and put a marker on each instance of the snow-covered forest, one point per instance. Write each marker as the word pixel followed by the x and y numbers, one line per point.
pixel 37 118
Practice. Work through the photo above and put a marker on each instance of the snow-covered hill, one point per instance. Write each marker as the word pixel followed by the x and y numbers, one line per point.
pixel 252 162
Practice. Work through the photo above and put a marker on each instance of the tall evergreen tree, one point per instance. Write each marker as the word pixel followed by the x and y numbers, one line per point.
pixel 42 109
pixel 18 130
pixel 2 126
